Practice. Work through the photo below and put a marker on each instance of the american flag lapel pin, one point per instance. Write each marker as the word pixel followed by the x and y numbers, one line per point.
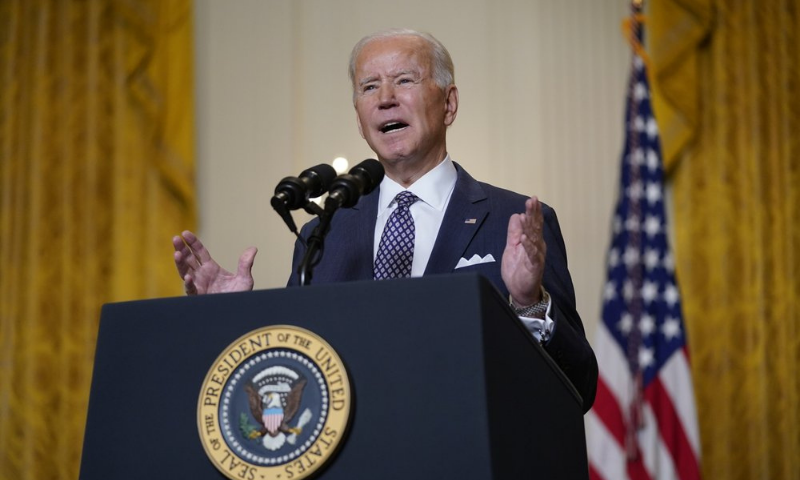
pixel 471 221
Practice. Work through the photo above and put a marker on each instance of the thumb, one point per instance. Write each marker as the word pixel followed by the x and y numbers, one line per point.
pixel 246 262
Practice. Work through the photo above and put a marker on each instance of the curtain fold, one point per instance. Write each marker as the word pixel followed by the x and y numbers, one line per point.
pixel 678 29
pixel 736 194
pixel 96 174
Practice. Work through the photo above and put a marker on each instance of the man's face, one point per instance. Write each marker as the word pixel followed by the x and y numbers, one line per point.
pixel 402 114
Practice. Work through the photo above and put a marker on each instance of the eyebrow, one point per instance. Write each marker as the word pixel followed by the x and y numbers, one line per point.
pixel 367 80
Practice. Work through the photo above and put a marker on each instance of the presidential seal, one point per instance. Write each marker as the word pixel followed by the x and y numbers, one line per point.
pixel 274 405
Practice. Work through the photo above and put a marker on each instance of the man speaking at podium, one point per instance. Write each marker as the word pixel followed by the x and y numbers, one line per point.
pixel 429 216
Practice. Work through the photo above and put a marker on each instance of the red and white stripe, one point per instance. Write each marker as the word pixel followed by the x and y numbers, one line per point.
pixel 669 440
pixel 272 422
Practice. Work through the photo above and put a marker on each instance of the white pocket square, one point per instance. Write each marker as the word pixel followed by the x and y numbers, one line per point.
pixel 475 260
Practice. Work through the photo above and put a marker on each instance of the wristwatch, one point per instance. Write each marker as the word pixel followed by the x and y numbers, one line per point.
pixel 537 310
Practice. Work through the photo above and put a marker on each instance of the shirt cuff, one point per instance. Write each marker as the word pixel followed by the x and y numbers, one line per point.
pixel 541 328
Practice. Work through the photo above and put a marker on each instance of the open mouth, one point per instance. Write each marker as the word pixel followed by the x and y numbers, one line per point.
pixel 393 127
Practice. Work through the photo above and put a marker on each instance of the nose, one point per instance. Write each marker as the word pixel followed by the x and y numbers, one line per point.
pixel 387 97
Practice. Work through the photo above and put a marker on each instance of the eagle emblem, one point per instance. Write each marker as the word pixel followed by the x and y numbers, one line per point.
pixel 275 404
pixel 274 395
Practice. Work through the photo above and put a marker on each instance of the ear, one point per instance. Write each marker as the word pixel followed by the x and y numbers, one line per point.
pixel 358 122
pixel 450 105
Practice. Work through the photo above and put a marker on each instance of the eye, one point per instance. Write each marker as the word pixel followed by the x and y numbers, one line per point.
pixel 367 88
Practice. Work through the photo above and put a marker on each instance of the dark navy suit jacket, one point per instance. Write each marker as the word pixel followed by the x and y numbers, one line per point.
pixel 349 257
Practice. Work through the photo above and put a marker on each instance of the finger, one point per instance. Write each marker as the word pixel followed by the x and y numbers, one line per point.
pixel 529 243
pixel 182 265
pixel 532 252
pixel 535 251
pixel 538 225
pixel 538 215
pixel 185 252
pixel 533 231
pixel 177 243
pixel 533 213
pixel 515 229
pixel 188 285
pixel 246 262
pixel 197 247
pixel 533 239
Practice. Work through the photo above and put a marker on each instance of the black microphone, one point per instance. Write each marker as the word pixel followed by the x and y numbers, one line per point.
pixel 293 192
pixel 346 189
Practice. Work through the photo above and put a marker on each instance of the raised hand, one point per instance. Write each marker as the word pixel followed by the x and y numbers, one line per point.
pixel 522 267
pixel 201 274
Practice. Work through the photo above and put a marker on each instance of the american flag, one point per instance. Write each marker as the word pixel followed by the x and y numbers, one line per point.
pixel 643 424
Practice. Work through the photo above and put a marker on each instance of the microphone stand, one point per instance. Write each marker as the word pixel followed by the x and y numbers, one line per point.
pixel 315 245
pixel 344 192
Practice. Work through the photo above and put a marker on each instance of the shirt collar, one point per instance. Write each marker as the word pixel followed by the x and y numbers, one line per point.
pixel 433 188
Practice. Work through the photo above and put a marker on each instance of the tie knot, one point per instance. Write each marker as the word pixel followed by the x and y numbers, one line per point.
pixel 405 199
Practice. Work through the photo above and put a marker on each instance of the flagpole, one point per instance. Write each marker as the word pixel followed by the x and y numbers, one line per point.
pixel 636 422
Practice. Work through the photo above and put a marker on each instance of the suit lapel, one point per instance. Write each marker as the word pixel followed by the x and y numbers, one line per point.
pixel 364 217
pixel 464 217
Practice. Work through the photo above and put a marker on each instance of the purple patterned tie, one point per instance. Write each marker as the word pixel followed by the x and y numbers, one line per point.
pixel 396 250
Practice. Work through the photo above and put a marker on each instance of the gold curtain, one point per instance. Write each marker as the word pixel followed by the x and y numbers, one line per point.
pixel 96 174
pixel 727 74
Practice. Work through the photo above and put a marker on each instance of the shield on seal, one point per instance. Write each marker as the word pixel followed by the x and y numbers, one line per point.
pixel 272 419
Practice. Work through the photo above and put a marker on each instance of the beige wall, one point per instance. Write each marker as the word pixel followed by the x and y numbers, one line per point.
pixel 541 86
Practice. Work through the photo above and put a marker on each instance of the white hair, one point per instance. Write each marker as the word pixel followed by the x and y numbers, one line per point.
pixel 443 70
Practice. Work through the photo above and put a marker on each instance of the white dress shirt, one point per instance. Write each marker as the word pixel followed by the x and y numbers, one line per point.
pixel 434 190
